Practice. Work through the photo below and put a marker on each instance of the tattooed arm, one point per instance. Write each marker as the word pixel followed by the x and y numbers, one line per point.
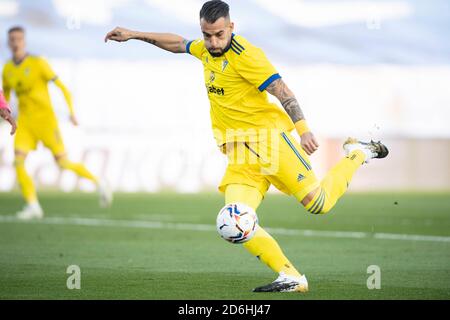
pixel 167 41
pixel 287 98
pixel 290 103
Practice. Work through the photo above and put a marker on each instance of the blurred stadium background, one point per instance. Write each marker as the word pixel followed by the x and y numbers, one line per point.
pixel 370 69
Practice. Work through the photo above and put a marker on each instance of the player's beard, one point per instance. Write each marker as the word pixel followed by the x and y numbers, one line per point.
pixel 217 54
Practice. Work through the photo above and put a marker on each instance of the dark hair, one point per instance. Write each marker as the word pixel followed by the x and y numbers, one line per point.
pixel 214 10
pixel 16 28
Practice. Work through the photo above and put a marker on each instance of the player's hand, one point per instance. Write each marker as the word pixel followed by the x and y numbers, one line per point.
pixel 74 120
pixel 119 34
pixel 309 143
pixel 6 114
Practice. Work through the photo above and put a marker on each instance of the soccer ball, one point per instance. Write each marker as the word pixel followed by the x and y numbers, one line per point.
pixel 237 223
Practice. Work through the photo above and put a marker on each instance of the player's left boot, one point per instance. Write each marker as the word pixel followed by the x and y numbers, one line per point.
pixel 31 211
pixel 285 283
pixel 105 193
pixel 372 150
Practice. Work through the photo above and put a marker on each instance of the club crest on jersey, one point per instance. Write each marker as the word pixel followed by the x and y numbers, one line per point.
pixel 224 65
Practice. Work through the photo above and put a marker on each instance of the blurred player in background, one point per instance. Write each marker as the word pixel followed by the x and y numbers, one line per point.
pixel 28 76
pixel 237 76
pixel 5 113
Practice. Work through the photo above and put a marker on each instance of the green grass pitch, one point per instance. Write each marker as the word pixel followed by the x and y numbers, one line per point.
pixel 165 247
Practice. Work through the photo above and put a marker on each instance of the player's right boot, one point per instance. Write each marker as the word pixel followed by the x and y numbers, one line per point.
pixel 285 283
pixel 31 211
pixel 372 150
pixel 105 193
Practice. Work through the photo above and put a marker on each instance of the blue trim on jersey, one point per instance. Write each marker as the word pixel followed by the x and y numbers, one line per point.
pixel 188 47
pixel 235 51
pixel 269 81
pixel 305 163
pixel 237 44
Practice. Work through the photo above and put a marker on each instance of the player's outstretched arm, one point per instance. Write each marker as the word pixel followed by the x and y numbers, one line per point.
pixel 290 103
pixel 167 41
pixel 68 98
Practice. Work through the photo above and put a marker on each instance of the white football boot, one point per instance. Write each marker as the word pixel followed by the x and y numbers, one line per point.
pixel 105 194
pixel 285 283
pixel 372 150
pixel 31 211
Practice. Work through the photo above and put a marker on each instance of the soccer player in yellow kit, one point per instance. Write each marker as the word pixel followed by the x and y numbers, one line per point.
pixel 255 134
pixel 28 76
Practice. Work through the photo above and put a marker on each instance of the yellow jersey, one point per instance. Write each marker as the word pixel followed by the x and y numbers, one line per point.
pixel 236 83
pixel 29 81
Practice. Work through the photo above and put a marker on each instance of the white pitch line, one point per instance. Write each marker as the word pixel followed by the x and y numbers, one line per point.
pixel 92 222
pixel 410 237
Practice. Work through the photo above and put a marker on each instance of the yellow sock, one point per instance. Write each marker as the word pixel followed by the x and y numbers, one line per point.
pixel 262 245
pixel 78 168
pixel 25 182
pixel 335 183
pixel 266 249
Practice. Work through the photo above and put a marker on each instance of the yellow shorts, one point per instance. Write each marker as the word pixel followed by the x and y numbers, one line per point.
pixel 27 138
pixel 277 160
